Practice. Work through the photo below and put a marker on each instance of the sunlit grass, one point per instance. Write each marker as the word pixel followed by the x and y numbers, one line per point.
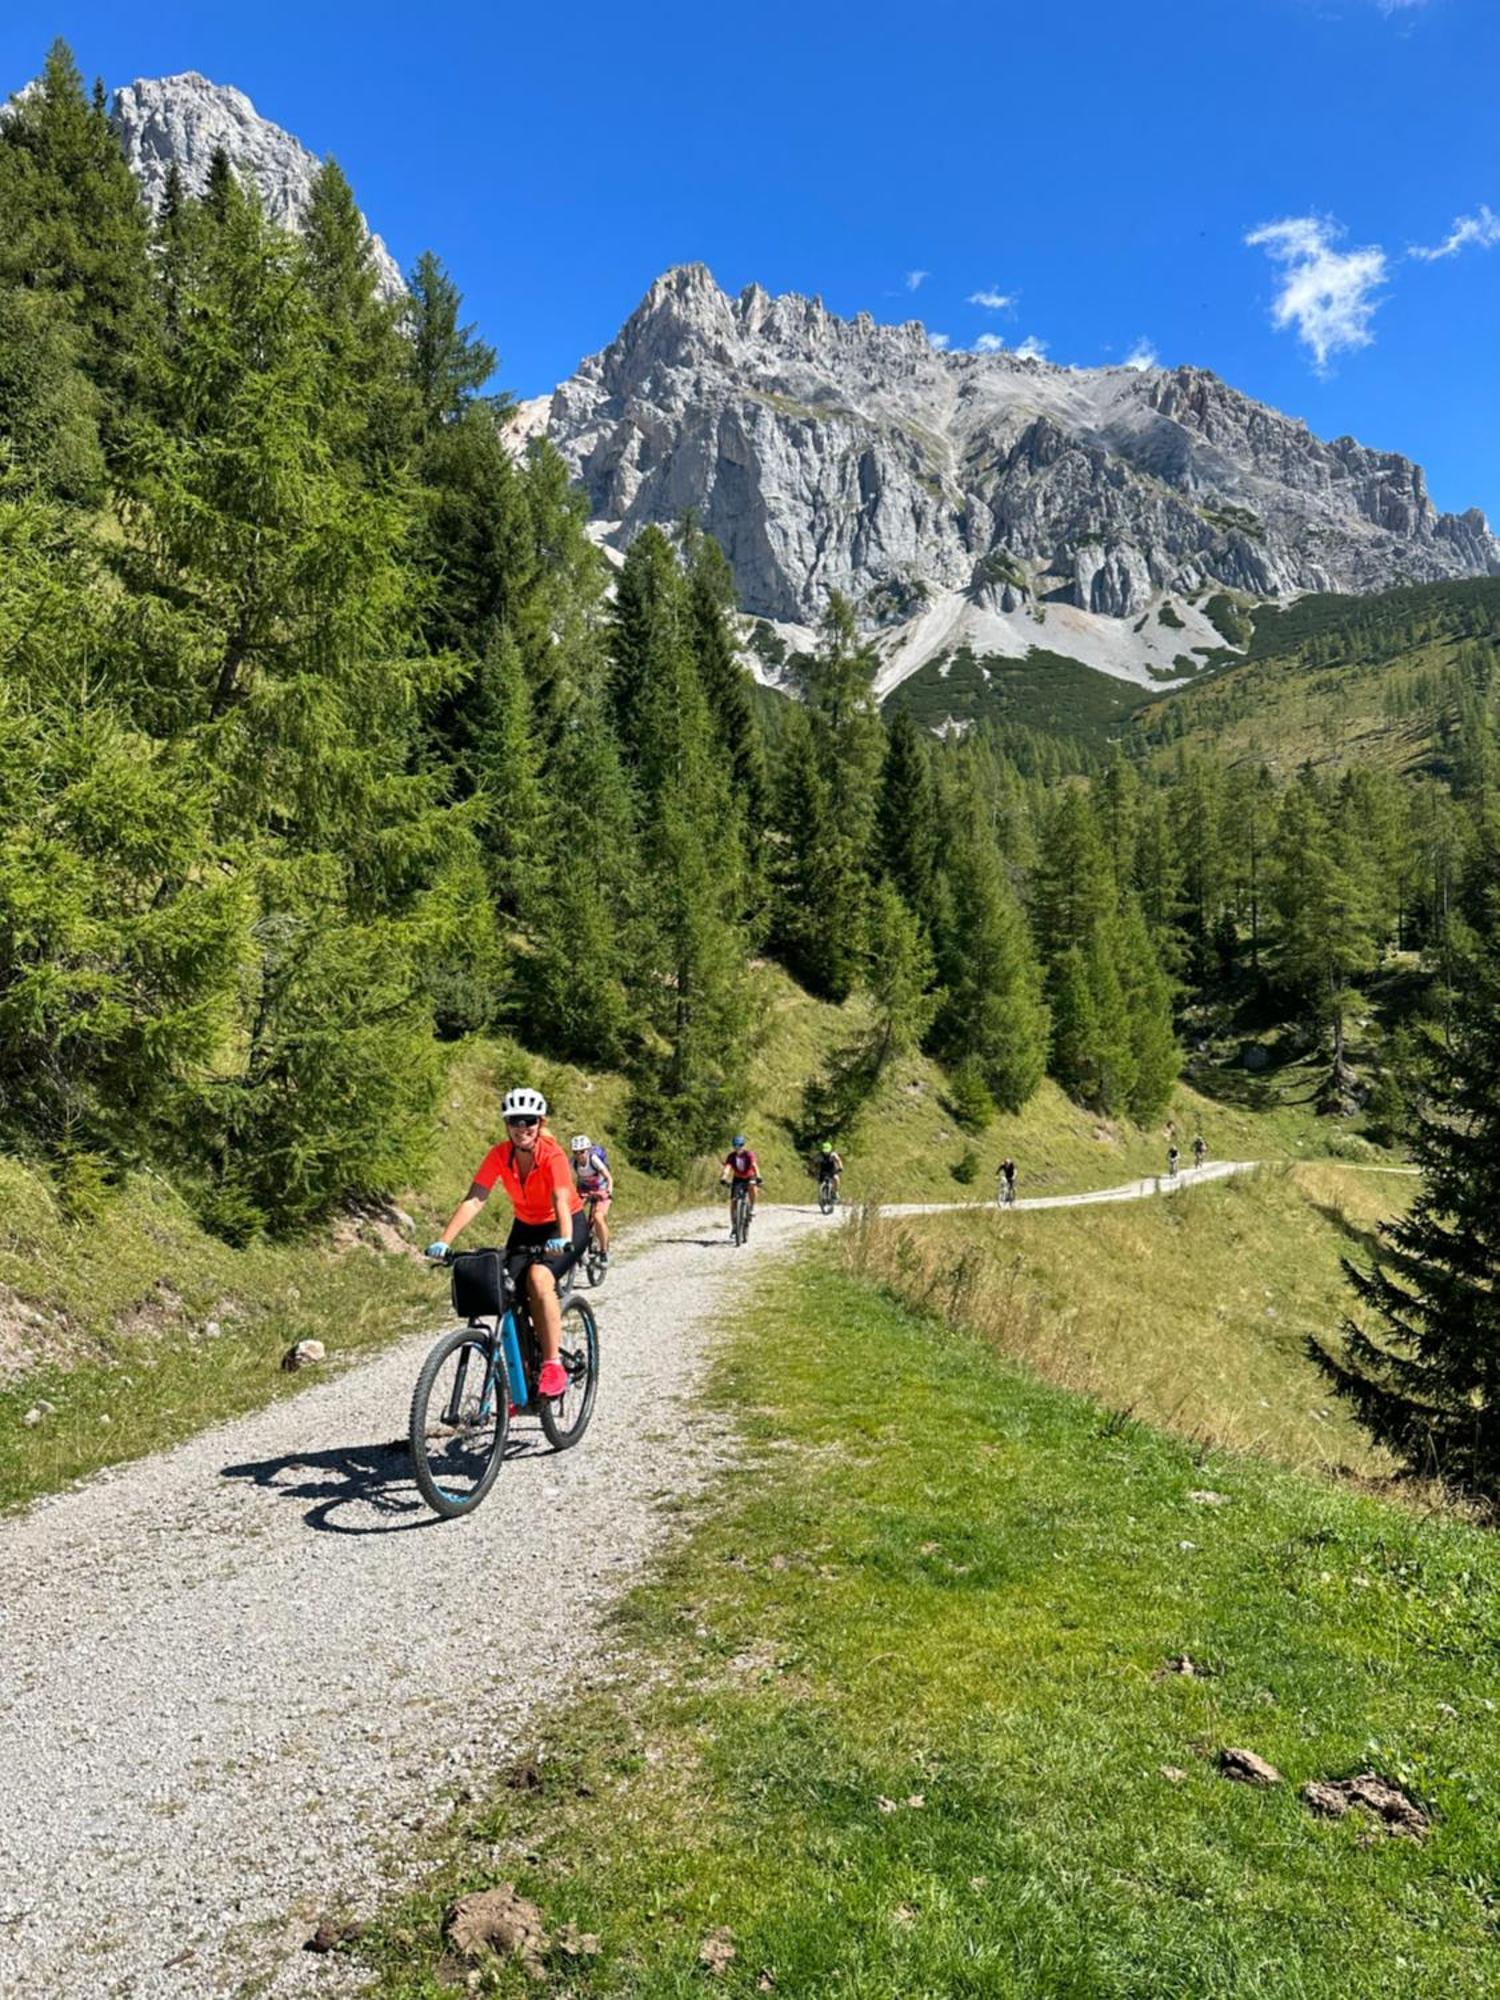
pixel 897 1718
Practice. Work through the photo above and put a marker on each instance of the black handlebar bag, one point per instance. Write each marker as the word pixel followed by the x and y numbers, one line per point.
pixel 479 1284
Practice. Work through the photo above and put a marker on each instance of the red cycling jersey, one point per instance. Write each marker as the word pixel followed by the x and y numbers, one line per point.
pixel 742 1164
pixel 533 1201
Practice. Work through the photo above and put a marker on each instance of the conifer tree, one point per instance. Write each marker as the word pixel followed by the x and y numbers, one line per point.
pixel 1421 1363
pixel 907 815
pixel 690 981
pixel 365 352
pixel 278 615
pixel 1154 1055
pixel 991 1012
pixel 730 694
pixel 448 364
pixel 75 226
pixel 826 830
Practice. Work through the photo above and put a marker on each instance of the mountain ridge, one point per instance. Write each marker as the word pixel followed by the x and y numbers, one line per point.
pixel 977 493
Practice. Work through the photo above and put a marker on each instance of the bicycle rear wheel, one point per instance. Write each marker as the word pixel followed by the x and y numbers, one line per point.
pixel 460 1419
pixel 565 1418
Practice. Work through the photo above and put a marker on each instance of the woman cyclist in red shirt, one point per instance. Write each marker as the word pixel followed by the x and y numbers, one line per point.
pixel 534 1171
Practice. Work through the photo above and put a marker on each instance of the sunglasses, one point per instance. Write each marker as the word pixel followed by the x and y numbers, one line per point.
pixel 524 1124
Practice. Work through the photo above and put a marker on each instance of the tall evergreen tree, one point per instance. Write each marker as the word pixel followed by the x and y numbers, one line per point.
pixel 447 363
pixel 907 822
pixel 75 226
pixel 730 694
pixel 691 979
pixel 991 1012
pixel 1421 1364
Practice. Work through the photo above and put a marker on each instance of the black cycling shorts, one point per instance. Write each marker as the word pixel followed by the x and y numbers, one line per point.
pixel 526 1236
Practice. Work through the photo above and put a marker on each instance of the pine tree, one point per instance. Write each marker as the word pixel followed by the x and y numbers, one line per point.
pixel 730 694
pixel 1154 1055
pixel 276 617
pixel 690 980
pixel 991 1012
pixel 1324 900
pixel 366 355
pixel 1421 1365
pixel 76 227
pixel 906 815
pixel 448 365
pixel 826 829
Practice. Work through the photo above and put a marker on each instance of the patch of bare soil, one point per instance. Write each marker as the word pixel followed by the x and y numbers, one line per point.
pixel 1391 1808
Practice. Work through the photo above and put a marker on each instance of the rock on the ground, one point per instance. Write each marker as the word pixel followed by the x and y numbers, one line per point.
pixel 303 1354
pixel 1247 1768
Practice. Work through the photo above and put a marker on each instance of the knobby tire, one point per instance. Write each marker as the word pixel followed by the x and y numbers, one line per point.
pixel 450 1504
pixel 580 1341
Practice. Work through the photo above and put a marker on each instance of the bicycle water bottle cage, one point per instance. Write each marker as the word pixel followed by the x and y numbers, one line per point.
pixel 480 1285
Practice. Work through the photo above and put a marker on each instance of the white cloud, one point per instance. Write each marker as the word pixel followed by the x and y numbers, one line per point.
pixel 914 279
pixel 992 299
pixel 1399 6
pixel 1327 294
pixel 1032 349
pixel 1142 356
pixel 988 343
pixel 938 341
pixel 1482 230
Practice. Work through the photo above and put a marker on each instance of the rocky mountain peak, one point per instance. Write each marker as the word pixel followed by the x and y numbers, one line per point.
pixel 938 488
pixel 185 119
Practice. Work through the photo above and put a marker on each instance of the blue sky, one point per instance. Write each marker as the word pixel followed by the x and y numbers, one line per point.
pixel 1240 184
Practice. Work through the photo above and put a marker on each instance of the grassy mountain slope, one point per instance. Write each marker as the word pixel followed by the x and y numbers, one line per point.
pixel 1335 681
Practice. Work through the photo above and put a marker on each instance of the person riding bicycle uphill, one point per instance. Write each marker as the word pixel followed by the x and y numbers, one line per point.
pixel 740 1169
pixel 828 1166
pixel 533 1169
pixel 1200 1150
pixel 1005 1173
pixel 596 1184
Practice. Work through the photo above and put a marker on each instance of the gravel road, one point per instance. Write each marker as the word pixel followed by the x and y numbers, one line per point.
pixel 235 1679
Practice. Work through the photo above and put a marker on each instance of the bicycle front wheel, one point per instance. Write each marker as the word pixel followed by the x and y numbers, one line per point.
pixel 825 1197
pixel 460 1420
pixel 565 1418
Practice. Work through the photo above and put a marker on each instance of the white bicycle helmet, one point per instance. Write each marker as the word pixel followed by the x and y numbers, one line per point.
pixel 523 1103
pixel 581 1142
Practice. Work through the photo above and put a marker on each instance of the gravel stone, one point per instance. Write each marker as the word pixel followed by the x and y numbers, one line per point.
pixel 236 1677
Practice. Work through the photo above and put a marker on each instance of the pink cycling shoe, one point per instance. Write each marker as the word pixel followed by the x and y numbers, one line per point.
pixel 553 1380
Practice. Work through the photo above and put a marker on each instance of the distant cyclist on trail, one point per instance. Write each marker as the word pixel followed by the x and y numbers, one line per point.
pixel 1200 1151
pixel 740 1169
pixel 1005 1174
pixel 1172 1158
pixel 534 1171
pixel 596 1184
pixel 828 1165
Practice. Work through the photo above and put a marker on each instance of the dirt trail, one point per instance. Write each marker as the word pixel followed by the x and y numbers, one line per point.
pixel 236 1679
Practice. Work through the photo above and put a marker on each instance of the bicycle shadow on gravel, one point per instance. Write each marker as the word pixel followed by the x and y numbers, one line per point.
pixel 373 1478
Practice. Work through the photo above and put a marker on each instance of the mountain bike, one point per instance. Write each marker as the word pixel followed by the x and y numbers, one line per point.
pixel 481 1374
pixel 828 1194
pixel 595 1264
pixel 1005 1194
pixel 740 1212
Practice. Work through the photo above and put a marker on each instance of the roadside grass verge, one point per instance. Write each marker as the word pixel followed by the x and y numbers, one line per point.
pixel 896 1715
pixel 1190 1311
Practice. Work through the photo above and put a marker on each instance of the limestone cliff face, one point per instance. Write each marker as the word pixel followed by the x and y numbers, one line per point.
pixel 186 119
pixel 829 454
